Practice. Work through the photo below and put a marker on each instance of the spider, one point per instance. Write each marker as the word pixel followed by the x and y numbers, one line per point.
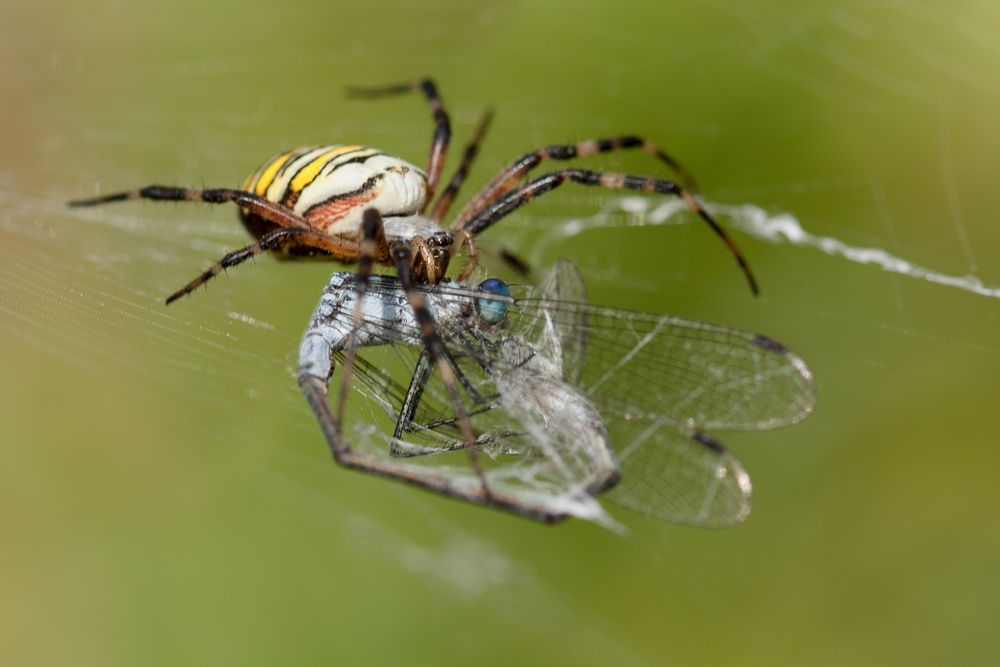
pixel 356 204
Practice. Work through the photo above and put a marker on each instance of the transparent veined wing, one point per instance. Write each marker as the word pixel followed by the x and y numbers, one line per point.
pixel 656 382
pixel 659 380
pixel 644 366
pixel 546 445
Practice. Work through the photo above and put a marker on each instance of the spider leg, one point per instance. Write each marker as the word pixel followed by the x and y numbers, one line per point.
pixel 515 199
pixel 372 244
pixel 314 390
pixel 342 249
pixel 437 354
pixel 248 201
pixel 442 124
pixel 508 179
pixel 314 377
pixel 447 198
pixel 448 195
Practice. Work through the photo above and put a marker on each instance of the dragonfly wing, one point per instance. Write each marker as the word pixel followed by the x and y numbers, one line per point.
pixel 551 388
pixel 543 442
pixel 565 337
pixel 686 478
pixel 690 374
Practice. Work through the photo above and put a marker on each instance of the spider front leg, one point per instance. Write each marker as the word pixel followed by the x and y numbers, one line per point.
pixel 372 243
pixel 442 124
pixel 437 353
pixel 521 167
pixel 316 369
pixel 504 206
pixel 248 201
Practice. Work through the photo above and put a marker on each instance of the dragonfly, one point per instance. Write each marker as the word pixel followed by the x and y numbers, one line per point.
pixel 570 403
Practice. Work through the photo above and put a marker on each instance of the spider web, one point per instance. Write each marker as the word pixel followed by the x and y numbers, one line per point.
pixel 754 221
pixel 877 262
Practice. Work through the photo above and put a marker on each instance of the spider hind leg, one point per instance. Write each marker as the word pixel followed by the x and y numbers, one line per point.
pixel 281 238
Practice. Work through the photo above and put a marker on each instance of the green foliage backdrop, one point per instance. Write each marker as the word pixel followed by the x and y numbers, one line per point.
pixel 166 498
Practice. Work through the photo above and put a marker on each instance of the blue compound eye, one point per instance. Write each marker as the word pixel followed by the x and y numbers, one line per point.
pixel 492 310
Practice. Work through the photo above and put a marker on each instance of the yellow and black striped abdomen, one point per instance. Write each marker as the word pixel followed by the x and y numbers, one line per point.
pixel 330 186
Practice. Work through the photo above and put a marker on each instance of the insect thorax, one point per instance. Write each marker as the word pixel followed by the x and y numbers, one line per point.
pixel 386 316
pixel 330 186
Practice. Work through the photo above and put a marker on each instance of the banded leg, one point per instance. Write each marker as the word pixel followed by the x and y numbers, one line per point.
pixel 314 390
pixel 515 199
pixel 373 241
pixel 508 179
pixel 447 197
pixel 282 237
pixel 442 124
pixel 268 210
pixel 373 238
pixel 438 356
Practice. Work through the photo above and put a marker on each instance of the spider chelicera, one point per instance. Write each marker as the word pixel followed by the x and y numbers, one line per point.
pixel 357 204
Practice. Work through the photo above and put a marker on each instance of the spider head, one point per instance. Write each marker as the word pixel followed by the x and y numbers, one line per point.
pixel 441 240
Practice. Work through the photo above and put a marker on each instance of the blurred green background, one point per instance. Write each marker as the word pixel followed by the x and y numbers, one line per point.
pixel 166 497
